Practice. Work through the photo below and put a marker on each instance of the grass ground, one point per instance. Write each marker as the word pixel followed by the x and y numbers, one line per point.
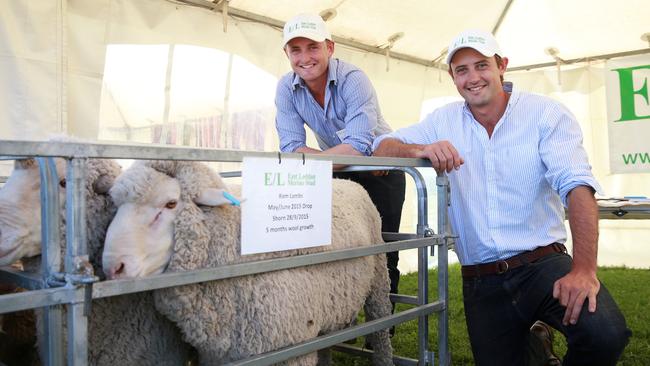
pixel 629 287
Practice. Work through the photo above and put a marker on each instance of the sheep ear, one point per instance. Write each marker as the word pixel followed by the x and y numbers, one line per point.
pixel 103 184
pixel 213 197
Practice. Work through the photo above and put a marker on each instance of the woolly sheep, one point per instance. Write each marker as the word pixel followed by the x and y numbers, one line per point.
pixel 123 329
pixel 172 217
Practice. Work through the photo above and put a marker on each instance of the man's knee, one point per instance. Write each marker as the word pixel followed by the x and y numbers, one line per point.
pixel 601 343
pixel 608 340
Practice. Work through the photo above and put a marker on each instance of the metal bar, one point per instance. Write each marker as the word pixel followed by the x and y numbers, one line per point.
pixel 582 59
pixel 51 257
pixel 442 181
pixel 390 237
pixel 339 336
pixel 55 296
pixel 75 213
pixel 423 265
pixel 404 299
pixel 76 253
pixel 77 334
pixel 164 280
pixel 26 280
pixel 166 152
pixel 39 298
pixel 356 351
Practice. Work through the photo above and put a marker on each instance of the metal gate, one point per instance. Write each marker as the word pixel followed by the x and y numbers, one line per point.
pixel 75 289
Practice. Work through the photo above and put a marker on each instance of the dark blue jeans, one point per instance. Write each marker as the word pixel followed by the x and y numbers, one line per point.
pixel 500 309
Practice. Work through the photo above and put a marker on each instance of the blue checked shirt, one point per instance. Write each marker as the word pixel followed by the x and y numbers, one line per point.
pixel 509 194
pixel 350 114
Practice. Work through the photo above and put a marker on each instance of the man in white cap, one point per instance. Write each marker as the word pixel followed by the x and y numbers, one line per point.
pixel 514 161
pixel 338 103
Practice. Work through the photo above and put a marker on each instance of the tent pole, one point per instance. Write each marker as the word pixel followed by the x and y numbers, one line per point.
pixel 501 17
pixel 582 59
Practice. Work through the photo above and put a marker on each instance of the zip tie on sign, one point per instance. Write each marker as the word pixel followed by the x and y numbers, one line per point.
pixel 233 200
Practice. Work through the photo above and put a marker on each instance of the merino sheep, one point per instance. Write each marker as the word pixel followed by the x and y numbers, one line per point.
pixel 123 329
pixel 172 217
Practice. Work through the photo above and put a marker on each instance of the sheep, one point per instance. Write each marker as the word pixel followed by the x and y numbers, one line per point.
pixel 121 330
pixel 172 216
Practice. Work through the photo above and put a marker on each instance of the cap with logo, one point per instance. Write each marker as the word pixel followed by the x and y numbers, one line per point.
pixel 309 26
pixel 483 42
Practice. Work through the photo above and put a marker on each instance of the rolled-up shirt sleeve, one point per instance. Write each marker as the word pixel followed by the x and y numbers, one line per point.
pixel 563 153
pixel 289 124
pixel 362 112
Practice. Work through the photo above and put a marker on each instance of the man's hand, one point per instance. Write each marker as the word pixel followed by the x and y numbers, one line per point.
pixel 443 156
pixel 572 290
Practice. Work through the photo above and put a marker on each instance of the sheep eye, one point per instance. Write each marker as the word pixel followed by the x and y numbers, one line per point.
pixel 170 205
pixel 62 183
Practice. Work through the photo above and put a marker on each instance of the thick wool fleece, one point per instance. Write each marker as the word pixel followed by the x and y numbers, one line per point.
pixel 127 329
pixel 236 318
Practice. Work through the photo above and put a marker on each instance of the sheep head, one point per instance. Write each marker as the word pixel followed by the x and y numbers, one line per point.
pixel 20 210
pixel 151 199
pixel 20 205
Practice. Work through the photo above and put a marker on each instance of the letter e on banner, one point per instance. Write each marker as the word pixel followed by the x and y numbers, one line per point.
pixel 628 114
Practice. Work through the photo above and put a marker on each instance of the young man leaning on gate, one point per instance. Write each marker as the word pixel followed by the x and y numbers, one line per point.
pixel 514 161
pixel 338 103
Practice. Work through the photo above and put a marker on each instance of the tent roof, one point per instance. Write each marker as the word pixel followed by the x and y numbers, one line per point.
pixel 577 28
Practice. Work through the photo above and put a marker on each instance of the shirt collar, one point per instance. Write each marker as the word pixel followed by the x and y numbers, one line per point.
pixel 332 66
pixel 514 96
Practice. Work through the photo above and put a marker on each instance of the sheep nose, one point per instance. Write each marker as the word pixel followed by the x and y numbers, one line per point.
pixel 116 271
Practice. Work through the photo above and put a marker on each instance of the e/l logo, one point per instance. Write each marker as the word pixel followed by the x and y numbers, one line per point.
pixel 626 87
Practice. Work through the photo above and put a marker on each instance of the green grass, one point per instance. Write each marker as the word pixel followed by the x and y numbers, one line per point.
pixel 629 287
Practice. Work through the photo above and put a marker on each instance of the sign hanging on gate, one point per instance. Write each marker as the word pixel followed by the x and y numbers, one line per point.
pixel 288 204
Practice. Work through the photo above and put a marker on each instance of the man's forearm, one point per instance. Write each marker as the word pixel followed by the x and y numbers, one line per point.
pixel 396 148
pixel 307 150
pixel 583 220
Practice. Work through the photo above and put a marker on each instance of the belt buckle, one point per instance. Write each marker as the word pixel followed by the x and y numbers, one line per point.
pixel 502 267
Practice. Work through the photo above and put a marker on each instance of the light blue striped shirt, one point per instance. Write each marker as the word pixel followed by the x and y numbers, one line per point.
pixel 351 113
pixel 508 196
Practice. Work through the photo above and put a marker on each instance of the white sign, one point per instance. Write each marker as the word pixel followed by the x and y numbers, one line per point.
pixel 288 204
pixel 628 114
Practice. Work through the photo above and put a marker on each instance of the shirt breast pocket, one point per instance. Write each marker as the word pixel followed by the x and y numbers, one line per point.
pixel 522 165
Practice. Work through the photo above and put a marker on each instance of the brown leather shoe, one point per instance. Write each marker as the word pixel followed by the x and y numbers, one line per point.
pixel 542 339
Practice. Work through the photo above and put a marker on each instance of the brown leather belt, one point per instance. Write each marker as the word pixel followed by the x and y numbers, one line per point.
pixel 502 266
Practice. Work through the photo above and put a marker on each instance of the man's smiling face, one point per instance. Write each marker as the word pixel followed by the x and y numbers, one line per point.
pixel 309 59
pixel 477 78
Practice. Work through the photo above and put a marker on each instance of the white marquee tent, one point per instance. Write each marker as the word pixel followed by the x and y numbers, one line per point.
pixel 202 73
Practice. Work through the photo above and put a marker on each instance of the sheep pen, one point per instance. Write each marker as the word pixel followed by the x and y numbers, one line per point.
pixel 121 330
pixel 172 217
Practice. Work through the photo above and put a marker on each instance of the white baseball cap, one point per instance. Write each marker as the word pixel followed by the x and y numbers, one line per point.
pixel 483 42
pixel 309 26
